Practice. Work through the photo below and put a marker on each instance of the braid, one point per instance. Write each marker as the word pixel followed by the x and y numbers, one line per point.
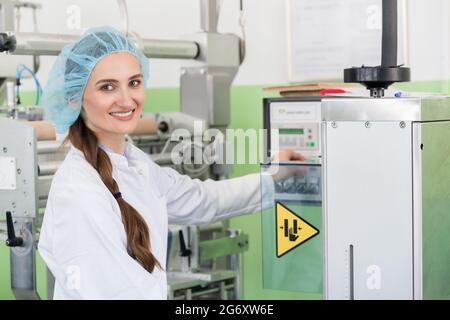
pixel 137 231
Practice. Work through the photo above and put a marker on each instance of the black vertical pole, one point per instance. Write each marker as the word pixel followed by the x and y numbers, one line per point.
pixel 389 34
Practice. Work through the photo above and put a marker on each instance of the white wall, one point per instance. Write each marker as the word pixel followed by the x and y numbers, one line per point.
pixel 429 39
pixel 266 61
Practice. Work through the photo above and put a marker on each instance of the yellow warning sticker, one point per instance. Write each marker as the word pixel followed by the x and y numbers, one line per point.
pixel 291 230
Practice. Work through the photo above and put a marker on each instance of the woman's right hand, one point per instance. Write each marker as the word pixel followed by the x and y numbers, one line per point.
pixel 282 172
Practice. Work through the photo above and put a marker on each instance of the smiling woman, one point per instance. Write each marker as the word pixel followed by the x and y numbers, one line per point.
pixel 112 103
pixel 103 80
pixel 104 234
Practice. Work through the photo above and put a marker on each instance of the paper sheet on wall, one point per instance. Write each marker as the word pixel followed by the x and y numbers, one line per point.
pixel 327 36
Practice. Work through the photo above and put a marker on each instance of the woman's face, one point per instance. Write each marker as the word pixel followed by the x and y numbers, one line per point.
pixel 114 95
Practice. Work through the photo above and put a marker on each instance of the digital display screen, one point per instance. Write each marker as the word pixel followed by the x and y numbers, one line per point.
pixel 291 131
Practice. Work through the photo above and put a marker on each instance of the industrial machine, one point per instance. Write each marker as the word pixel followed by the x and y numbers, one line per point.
pixel 380 228
pixel 294 123
pixel 382 213
pixel 30 151
pixel 386 201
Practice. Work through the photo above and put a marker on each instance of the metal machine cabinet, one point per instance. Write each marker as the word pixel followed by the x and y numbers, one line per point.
pixel 18 190
pixel 386 198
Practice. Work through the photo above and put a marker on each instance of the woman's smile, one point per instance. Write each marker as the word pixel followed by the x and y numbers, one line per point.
pixel 123 115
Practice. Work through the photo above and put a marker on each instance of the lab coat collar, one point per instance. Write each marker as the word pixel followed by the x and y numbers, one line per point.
pixel 121 160
pixel 132 159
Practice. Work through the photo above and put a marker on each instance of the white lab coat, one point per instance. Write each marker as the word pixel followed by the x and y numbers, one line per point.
pixel 83 240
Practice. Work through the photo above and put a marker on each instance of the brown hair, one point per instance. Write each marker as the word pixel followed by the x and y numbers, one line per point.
pixel 137 231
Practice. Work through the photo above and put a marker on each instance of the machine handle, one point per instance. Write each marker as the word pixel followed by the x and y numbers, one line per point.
pixel 185 252
pixel 12 240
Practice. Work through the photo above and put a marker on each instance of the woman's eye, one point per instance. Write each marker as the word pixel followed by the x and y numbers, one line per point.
pixel 107 87
pixel 135 83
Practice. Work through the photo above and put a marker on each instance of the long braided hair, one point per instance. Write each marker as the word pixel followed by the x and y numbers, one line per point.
pixel 137 231
pixel 84 139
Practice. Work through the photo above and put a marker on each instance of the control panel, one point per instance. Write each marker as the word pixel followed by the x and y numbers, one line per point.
pixel 293 123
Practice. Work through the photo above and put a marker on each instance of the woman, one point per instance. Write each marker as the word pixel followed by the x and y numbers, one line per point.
pixel 104 234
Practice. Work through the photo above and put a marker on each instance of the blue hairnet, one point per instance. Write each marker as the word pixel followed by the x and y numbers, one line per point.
pixel 63 93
